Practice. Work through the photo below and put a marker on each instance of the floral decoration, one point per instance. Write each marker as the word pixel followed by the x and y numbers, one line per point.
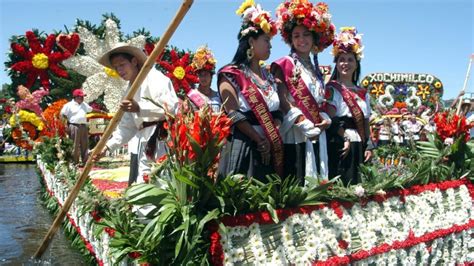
pixel 27 116
pixel 39 59
pixel 331 234
pixel 101 80
pixel 53 124
pixel 451 125
pixel 30 101
pixel 255 18
pixel 180 71
pixel 348 41
pixel 203 59
pixel 314 17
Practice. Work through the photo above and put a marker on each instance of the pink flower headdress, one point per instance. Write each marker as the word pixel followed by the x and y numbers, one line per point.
pixel 348 41
pixel 204 60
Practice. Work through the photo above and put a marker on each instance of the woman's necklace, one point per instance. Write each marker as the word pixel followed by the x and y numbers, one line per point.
pixel 267 87
pixel 307 66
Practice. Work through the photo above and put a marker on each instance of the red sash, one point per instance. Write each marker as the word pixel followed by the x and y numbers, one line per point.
pixel 196 97
pixel 355 109
pixel 262 113
pixel 298 89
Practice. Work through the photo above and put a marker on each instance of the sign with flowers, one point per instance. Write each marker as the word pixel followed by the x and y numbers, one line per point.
pixel 398 93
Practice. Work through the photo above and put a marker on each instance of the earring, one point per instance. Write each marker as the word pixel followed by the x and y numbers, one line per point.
pixel 250 53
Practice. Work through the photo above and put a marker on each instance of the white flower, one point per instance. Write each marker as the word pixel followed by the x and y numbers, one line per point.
pixel 381 192
pixel 101 80
pixel 448 141
pixel 359 191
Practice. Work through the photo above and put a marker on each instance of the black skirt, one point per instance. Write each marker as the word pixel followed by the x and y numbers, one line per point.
pixel 240 156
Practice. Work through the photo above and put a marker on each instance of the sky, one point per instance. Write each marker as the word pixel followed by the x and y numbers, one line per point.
pixel 406 36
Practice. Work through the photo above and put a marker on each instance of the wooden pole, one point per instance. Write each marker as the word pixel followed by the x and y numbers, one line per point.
pixel 149 63
pixel 458 109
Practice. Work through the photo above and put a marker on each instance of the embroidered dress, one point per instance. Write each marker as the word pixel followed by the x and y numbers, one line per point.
pixel 348 167
pixel 303 157
pixel 240 154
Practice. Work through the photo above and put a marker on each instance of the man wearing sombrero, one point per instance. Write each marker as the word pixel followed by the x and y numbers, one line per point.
pixel 142 118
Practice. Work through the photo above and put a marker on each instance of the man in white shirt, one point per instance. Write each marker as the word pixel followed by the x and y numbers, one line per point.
pixel 75 113
pixel 142 118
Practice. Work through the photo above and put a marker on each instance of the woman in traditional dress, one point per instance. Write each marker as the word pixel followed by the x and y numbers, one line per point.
pixel 301 88
pixel 250 99
pixel 204 65
pixel 349 108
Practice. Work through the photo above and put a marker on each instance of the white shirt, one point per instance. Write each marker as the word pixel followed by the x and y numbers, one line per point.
pixel 343 110
pixel 469 120
pixel 76 113
pixel 157 87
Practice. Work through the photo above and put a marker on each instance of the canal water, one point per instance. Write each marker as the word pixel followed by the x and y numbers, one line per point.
pixel 24 221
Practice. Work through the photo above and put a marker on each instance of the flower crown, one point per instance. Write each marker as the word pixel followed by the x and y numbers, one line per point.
pixel 255 18
pixel 314 17
pixel 348 41
pixel 204 60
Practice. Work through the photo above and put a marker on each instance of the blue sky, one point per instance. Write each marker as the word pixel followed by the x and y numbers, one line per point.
pixel 417 36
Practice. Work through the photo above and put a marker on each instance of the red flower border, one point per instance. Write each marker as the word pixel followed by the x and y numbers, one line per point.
pixel 217 254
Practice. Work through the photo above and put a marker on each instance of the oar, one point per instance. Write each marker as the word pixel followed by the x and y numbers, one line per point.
pixel 149 63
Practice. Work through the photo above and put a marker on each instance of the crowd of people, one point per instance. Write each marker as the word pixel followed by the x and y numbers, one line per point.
pixel 285 119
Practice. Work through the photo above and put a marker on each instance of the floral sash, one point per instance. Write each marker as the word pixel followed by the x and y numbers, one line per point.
pixel 355 109
pixel 299 90
pixel 262 113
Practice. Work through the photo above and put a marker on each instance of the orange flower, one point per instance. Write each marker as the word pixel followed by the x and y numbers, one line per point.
pixel 53 125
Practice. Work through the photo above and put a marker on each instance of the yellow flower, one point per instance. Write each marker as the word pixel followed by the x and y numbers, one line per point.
pixel 111 73
pixel 437 84
pixel 365 83
pixel 179 72
pixel 246 4
pixel 112 194
pixel 265 26
pixel 40 61
pixel 347 29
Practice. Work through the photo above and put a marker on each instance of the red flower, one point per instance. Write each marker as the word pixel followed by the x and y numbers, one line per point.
pixel 343 244
pixel 95 215
pixel 180 71
pixel 134 255
pixel 110 231
pixel 146 178
pixel 39 59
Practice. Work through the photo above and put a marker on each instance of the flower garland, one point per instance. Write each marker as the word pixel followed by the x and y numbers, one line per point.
pixel 348 41
pixel 352 232
pixel 27 116
pixel 39 59
pixel 315 18
pixel 101 80
pixel 180 71
pixel 255 18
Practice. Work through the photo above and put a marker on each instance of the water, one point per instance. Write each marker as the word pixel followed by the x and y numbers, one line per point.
pixel 24 221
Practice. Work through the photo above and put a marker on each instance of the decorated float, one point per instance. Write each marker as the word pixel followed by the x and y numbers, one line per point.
pixel 417 212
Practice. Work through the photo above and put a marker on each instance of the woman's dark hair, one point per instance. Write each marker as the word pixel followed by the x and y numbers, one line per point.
pixel 355 76
pixel 319 75
pixel 240 56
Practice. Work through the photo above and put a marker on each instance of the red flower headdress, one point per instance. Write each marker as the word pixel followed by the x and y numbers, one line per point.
pixel 314 17
pixel 204 60
pixel 255 18
pixel 348 41
pixel 38 59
